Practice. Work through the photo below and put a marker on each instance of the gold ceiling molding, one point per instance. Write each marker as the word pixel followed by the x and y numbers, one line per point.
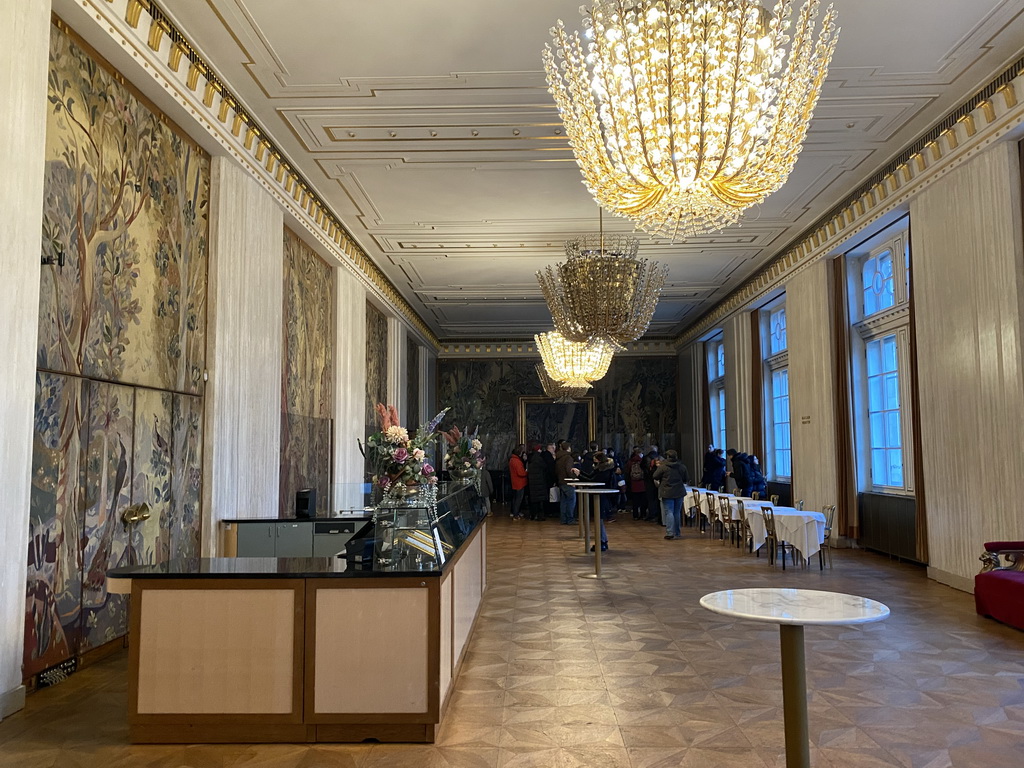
pixel 981 121
pixel 146 28
pixel 504 349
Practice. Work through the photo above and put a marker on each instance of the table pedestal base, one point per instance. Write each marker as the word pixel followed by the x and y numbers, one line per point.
pixel 794 696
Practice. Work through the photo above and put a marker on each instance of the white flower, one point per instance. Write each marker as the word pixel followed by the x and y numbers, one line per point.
pixel 477 445
pixel 418 454
pixel 396 434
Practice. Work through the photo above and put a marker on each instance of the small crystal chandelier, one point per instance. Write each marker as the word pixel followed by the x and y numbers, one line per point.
pixel 681 113
pixel 559 391
pixel 575 364
pixel 602 293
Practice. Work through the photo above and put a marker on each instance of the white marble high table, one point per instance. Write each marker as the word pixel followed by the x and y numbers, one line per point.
pixel 792 609
pixel 595 506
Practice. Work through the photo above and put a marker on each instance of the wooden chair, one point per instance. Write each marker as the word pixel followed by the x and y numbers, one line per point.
pixel 830 516
pixel 725 517
pixel 799 505
pixel 756 495
pixel 774 499
pixel 744 538
pixel 775 544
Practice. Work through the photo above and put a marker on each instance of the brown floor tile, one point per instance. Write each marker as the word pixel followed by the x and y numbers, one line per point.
pixel 563 672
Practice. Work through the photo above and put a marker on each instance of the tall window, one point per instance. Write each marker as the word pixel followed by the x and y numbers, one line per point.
pixel 779 464
pixel 880 311
pixel 716 390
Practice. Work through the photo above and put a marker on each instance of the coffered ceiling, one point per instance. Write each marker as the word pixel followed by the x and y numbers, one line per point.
pixel 428 129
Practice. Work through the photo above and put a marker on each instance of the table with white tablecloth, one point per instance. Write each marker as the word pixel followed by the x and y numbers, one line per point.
pixel 804 529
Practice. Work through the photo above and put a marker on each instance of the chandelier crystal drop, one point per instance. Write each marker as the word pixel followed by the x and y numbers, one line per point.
pixel 602 293
pixel 684 113
pixel 576 364
pixel 559 391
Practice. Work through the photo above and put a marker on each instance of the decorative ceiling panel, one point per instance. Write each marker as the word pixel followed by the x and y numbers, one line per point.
pixel 433 138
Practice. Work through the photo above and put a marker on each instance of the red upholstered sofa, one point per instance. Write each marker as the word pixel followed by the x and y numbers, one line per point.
pixel 999 588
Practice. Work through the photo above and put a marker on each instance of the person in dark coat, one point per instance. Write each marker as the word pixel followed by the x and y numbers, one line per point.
pixel 672 479
pixel 603 472
pixel 537 483
pixel 649 463
pixel 714 469
pixel 740 471
pixel 551 476
pixel 758 484
pixel 635 484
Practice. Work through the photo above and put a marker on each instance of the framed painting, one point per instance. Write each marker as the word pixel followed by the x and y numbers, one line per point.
pixel 541 420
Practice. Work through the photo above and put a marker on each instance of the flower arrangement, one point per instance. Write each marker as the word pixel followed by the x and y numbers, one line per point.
pixel 465 452
pixel 398 459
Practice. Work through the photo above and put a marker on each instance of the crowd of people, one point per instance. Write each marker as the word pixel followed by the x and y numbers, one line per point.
pixel 743 468
pixel 650 486
pixel 647 483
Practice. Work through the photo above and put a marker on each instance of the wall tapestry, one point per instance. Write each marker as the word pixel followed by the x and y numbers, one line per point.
pixel 125 205
pixel 412 415
pixel 307 381
pixel 635 404
pixel 376 368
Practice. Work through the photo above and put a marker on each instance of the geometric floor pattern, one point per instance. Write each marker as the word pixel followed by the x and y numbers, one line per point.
pixel 631 673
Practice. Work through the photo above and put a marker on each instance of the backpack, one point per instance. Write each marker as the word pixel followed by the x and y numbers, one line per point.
pixel 636 472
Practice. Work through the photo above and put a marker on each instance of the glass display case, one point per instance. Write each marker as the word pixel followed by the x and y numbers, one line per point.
pixel 422 530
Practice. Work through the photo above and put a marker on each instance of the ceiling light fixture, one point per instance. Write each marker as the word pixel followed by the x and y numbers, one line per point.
pixel 559 391
pixel 684 113
pixel 576 364
pixel 603 293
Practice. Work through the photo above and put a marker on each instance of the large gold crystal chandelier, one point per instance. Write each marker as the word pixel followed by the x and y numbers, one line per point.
pixel 575 364
pixel 559 391
pixel 684 113
pixel 602 293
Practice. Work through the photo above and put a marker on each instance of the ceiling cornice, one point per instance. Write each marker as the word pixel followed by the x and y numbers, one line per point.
pixel 985 118
pixel 142 28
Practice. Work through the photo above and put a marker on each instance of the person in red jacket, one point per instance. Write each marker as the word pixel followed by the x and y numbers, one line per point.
pixel 517 472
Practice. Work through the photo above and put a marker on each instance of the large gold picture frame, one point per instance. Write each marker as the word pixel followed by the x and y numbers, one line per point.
pixel 540 419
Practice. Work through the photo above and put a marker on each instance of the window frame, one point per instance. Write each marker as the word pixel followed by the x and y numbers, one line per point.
pixel 774 359
pixel 714 369
pixel 891 321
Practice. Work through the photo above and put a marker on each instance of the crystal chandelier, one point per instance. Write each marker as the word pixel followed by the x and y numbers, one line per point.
pixel 602 292
pixel 575 364
pixel 684 113
pixel 559 391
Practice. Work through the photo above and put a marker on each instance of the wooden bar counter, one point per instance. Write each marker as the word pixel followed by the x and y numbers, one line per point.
pixel 297 649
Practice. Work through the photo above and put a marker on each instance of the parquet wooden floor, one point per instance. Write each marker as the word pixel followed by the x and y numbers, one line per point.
pixel 632 673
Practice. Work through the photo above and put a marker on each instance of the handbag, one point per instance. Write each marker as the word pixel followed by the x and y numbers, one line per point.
pixel 553 493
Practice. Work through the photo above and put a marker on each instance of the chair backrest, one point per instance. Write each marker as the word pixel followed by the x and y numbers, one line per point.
pixel 800 505
pixel 741 512
pixel 774 499
pixel 830 517
pixel 756 495
pixel 769 520
pixel 724 512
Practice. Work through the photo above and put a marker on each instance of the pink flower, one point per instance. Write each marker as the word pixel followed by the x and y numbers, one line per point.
pixel 384 481
pixel 400 455
pixel 428 469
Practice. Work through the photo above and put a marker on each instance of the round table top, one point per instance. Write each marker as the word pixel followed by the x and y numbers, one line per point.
pixel 795 606
pixel 597 490
pixel 581 482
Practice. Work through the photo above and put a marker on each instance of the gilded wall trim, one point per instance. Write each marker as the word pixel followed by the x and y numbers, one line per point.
pixel 988 117
pixel 141 28
pixel 506 349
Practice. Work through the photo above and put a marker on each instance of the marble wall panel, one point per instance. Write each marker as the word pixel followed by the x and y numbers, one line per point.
pixel 412 414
